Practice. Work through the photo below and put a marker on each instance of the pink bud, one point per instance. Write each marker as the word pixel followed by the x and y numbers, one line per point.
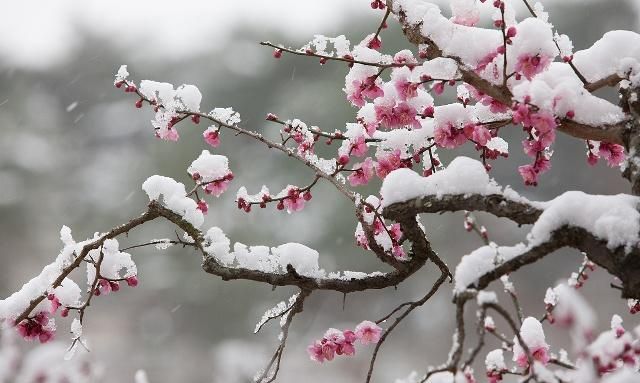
pixel 132 281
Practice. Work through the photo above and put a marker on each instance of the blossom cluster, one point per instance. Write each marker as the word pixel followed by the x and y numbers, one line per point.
pixel 336 342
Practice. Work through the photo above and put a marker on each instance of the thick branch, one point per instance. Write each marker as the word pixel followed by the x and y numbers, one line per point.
pixel 620 263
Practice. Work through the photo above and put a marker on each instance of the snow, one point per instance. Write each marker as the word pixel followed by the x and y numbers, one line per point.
pixel 485 297
pixel 115 264
pixel 275 311
pixel 495 361
pixel 612 218
pixel 141 377
pixel 623 375
pixel 210 167
pixel 499 145
pixel 463 176
pixel 302 258
pixel 40 285
pixel 481 261
pixel 185 98
pixel 559 91
pixel 189 97
pixel 72 106
pixel 262 258
pixel 609 55
pixel 174 198
pixel 122 73
pixel 226 115
pixel 533 336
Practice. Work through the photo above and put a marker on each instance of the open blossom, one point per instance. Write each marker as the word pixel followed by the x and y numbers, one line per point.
pixel 39 327
pixel 168 134
pixel 396 116
pixel 388 162
pixel 55 303
pixel 533 335
pixel 212 136
pixel 613 153
pixel 358 146
pixel 335 342
pixel 362 174
pixel 530 65
pixel 449 136
pixel 368 88
pixel 217 187
pixel 477 133
pixel 368 332
pixel 294 201
pixel 543 122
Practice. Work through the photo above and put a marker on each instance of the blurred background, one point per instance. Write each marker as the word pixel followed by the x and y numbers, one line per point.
pixel 74 151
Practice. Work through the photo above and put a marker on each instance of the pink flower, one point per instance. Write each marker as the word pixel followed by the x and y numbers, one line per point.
pixel 396 116
pixel 294 201
pixel 216 187
pixel 45 336
pixel 203 206
pixel 212 137
pixel 388 163
pixel 448 136
pixel 368 332
pixel 398 252
pixel 478 134
pixel 361 239
pixel 315 352
pixel 405 88
pixel 528 174
pixel 613 153
pixel 529 65
pixel 486 60
pixel 438 88
pixel 168 134
pixel 358 146
pixel 328 350
pixel 543 122
pixel 55 303
pixel 396 232
pixel 375 43
pixel 539 353
pixel 522 114
pixel 104 287
pixel 362 174
pixel 132 281
pixel 36 327
pixel 361 89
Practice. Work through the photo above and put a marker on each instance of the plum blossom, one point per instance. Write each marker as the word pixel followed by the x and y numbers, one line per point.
pixel 368 332
pixel 530 65
pixel 477 133
pixel 388 162
pixel 361 89
pixel 217 187
pixel 39 327
pixel 447 135
pixel 335 342
pixel 394 116
pixel 212 136
pixel 533 335
pixel 362 173
pixel 294 200
pixel 613 153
